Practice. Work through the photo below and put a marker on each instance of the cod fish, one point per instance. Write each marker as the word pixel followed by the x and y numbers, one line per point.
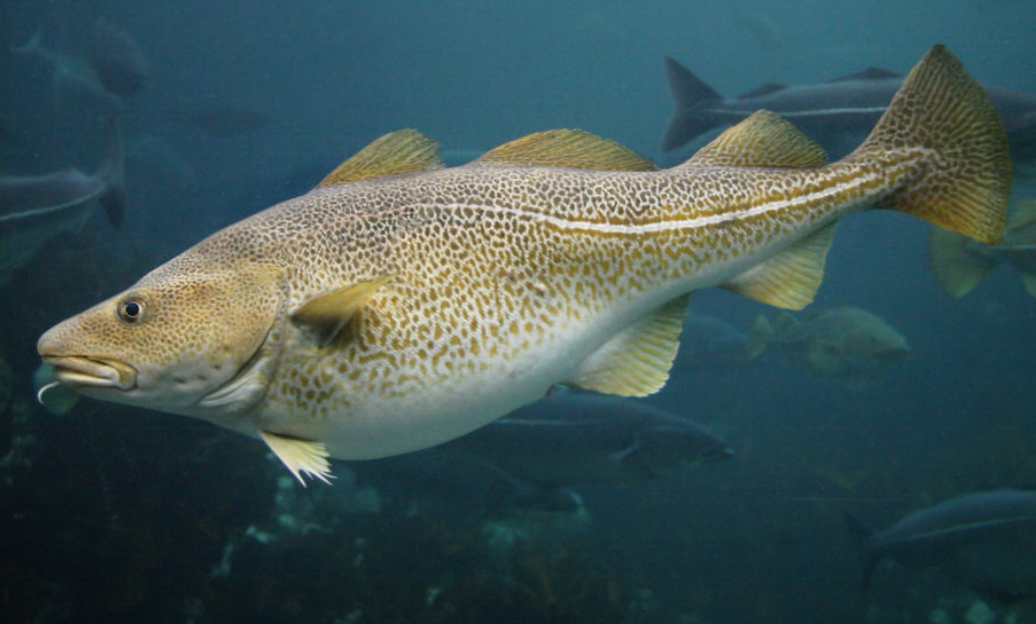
pixel 961 265
pixel 829 112
pixel 984 541
pixel 34 209
pixel 846 343
pixel 401 304
pixel 571 440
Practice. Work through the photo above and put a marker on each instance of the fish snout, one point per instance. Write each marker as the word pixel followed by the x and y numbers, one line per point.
pixel 84 372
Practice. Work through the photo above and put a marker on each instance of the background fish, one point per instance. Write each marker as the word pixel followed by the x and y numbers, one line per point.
pixel 961 265
pixel 575 440
pixel 221 120
pixel 846 343
pixel 35 209
pixel 117 59
pixel 834 113
pixel 75 79
pixel 400 305
pixel 984 541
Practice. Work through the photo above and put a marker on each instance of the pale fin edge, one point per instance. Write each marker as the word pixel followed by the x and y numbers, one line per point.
pixel 957 264
pixel 790 279
pixel 636 361
pixel 300 456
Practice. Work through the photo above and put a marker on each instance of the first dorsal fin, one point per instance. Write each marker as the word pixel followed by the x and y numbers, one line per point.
pixel 636 361
pixel 403 151
pixel 761 140
pixel 567 148
pixel 329 313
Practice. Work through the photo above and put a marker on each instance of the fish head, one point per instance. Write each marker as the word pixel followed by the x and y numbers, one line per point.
pixel 188 337
pixel 665 449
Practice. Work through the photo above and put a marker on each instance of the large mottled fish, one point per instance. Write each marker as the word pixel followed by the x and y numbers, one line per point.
pixel 399 305
pixel 960 265
pixel 845 342
pixel 36 208
pixel 831 113
pixel 984 541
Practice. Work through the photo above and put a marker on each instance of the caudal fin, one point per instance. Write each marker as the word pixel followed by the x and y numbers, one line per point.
pixel 689 96
pixel 959 265
pixel 944 117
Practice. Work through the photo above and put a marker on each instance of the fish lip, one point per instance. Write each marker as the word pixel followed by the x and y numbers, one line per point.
pixel 79 371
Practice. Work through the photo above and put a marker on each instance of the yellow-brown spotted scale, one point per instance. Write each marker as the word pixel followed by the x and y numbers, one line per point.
pixel 401 304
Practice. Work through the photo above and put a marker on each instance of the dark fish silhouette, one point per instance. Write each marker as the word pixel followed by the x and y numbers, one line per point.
pixel 222 121
pixel 74 78
pixel 574 440
pixel 34 209
pixel 984 541
pixel 117 59
pixel 828 112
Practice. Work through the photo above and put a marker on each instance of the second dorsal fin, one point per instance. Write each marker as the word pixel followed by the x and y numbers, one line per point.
pixel 403 151
pixel 567 148
pixel 761 140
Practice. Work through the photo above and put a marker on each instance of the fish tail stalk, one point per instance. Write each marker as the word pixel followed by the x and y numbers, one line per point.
pixel 942 127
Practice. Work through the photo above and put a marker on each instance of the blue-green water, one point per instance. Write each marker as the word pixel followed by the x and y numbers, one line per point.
pixel 115 514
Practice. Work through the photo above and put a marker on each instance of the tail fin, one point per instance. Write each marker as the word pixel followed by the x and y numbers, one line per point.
pixel 112 172
pixel 958 264
pixel 862 536
pixel 689 93
pixel 965 185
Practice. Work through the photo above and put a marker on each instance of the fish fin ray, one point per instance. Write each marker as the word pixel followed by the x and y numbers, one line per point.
pixel 328 314
pixel 965 183
pixel 958 266
pixel 403 151
pixel 636 361
pixel 567 148
pixel 761 140
pixel 300 457
pixel 790 279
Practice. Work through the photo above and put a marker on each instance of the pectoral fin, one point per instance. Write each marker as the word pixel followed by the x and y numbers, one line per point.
pixel 636 361
pixel 791 278
pixel 328 314
pixel 300 456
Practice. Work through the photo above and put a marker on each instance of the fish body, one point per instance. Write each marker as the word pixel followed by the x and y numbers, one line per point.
pixel 829 112
pixel 710 345
pixel 400 305
pixel 74 77
pixel 590 440
pixel 960 265
pixel 985 541
pixel 34 209
pixel 117 59
pixel 222 121
pixel 847 343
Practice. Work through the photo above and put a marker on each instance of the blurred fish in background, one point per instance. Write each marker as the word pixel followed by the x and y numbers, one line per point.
pixel 117 59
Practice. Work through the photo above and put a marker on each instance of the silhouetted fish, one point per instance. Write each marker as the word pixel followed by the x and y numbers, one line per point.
pixel 577 440
pixel 34 209
pixel 222 121
pixel 117 59
pixel 985 541
pixel 843 108
pixel 74 77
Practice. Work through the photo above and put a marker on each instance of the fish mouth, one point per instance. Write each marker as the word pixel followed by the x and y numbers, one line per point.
pixel 79 371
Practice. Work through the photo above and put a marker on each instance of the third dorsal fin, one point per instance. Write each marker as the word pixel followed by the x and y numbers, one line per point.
pixel 403 151
pixel 567 148
pixel 761 140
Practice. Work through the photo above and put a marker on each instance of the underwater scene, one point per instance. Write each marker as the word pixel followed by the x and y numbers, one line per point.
pixel 334 312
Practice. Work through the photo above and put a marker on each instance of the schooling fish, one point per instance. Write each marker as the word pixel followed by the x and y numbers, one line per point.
pixel 985 541
pixel 829 112
pixel 399 305
pixel 960 265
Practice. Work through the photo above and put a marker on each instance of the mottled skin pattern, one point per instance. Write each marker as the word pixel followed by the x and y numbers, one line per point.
pixel 504 279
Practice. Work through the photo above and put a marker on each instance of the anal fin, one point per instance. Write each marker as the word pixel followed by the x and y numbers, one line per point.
pixel 790 279
pixel 636 361
pixel 300 456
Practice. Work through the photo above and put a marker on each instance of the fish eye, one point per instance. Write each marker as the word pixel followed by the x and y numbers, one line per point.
pixel 131 310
